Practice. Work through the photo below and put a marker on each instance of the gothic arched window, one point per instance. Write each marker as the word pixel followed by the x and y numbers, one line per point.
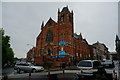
pixel 49 36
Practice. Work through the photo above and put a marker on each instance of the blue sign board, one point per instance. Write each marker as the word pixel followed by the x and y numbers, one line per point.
pixel 62 53
pixel 62 43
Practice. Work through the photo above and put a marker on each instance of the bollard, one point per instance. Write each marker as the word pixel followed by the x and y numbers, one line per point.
pixel 82 77
pixel 63 71
pixel 114 75
pixel 29 75
pixel 48 75
pixel 63 74
pixel 5 77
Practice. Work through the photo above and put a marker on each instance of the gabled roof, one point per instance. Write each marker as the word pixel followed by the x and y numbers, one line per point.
pixel 99 44
pixel 50 22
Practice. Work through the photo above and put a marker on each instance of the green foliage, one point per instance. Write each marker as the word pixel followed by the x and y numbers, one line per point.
pixel 7 52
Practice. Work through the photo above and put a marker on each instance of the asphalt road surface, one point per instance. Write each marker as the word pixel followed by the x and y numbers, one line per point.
pixel 67 76
pixel 55 75
pixel 12 75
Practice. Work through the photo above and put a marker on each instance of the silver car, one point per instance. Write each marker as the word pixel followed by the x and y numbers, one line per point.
pixel 88 64
pixel 27 67
pixel 107 63
pixel 88 67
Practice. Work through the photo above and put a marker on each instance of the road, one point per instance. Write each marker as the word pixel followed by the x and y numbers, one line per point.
pixel 55 75
pixel 68 74
pixel 43 75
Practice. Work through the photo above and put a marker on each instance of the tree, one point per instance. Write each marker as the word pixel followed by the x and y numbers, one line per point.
pixel 7 52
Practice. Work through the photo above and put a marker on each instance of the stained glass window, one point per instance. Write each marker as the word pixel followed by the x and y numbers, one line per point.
pixel 49 36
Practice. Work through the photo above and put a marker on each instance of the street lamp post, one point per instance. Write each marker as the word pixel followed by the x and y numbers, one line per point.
pixel 32 52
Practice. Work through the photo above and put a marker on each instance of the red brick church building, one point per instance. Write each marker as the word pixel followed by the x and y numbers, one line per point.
pixel 58 42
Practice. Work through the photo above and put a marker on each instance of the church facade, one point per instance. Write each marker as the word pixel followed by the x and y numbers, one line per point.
pixel 58 42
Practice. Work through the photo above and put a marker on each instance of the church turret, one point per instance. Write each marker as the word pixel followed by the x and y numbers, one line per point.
pixel 71 17
pixel 72 12
pixel 117 38
pixel 117 41
pixel 42 25
pixel 80 37
pixel 58 10
pixel 65 16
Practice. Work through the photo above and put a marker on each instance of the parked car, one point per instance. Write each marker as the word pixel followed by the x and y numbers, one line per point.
pixel 92 69
pixel 88 64
pixel 27 67
pixel 88 67
pixel 107 63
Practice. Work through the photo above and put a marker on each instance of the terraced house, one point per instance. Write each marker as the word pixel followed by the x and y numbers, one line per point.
pixel 57 41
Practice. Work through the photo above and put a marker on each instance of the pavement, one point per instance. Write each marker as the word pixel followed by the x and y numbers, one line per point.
pixel 10 71
pixel 45 77
pixel 58 68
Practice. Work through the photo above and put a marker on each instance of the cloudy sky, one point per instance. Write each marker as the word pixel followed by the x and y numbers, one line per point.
pixel 97 21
